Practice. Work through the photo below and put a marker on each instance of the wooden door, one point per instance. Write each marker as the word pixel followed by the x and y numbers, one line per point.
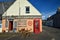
pixel 10 25
pixel 36 26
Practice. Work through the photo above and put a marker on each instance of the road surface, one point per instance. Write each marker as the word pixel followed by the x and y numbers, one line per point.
pixel 49 33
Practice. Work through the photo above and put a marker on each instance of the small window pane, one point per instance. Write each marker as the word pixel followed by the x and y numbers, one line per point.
pixel 15 24
pixel 27 9
pixel 36 24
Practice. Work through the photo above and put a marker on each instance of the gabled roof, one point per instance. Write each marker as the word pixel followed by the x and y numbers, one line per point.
pixel 55 15
pixel 21 4
pixel 6 5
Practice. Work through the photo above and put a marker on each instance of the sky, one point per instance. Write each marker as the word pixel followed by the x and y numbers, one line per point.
pixel 45 7
pixel 6 0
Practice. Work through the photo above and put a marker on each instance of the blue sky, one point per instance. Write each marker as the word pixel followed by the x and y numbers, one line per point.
pixel 46 7
pixel 6 0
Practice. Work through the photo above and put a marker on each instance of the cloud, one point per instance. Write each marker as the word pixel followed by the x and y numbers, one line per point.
pixel 43 17
pixel 46 15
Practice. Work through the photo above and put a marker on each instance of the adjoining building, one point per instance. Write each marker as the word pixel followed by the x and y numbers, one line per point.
pixel 3 7
pixel 54 20
pixel 0 26
pixel 22 15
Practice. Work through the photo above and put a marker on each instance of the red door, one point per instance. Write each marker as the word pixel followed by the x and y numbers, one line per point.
pixel 10 25
pixel 36 26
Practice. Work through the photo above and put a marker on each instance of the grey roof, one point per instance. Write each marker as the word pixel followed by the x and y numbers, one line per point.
pixel 6 5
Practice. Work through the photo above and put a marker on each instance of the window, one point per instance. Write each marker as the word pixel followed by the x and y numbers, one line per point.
pixel 7 23
pixel 37 24
pixel 0 25
pixel 15 24
pixel 28 9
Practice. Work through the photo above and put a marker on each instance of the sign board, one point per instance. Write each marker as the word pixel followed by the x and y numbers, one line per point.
pixel 29 23
pixel 21 22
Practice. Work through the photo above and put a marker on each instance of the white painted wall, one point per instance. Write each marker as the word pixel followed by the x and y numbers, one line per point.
pixel 14 9
pixel 33 11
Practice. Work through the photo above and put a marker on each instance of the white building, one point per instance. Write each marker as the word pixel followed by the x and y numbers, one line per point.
pixel 21 14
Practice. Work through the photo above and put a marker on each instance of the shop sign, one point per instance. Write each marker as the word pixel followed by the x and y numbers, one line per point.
pixel 21 22
pixel 29 23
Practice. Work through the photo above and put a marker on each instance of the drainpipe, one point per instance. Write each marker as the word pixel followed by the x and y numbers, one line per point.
pixel 19 8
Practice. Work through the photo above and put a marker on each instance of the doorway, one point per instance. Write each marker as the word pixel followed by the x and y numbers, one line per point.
pixel 10 25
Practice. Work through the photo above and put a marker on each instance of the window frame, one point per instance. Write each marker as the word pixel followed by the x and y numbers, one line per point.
pixel 27 9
